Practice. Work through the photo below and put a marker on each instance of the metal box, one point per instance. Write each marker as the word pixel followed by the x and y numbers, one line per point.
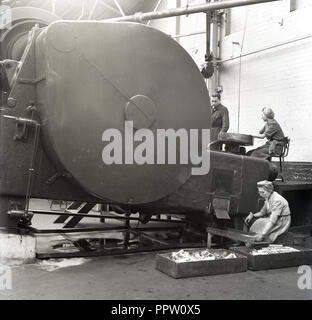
pixel 202 267
pixel 276 260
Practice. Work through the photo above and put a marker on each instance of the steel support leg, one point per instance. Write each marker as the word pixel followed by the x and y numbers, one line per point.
pixel 127 233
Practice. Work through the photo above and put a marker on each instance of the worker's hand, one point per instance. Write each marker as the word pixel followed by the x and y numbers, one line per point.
pixel 249 218
pixel 259 237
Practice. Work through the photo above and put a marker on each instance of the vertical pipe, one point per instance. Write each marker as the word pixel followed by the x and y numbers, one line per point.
pixel 178 20
pixel 208 30
pixel 208 36
pixel 31 169
pixel 218 51
pixel 214 49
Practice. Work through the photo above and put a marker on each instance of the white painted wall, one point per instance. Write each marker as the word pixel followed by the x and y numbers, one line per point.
pixel 280 77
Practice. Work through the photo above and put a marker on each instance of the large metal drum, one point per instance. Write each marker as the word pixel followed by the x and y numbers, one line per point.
pixel 96 76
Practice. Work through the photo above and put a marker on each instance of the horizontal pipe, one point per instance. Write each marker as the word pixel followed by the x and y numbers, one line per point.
pixel 140 17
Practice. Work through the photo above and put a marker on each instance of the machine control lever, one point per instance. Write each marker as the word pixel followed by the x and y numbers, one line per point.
pixel 21 126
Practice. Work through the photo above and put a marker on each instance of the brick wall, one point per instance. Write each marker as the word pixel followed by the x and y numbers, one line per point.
pixel 297 171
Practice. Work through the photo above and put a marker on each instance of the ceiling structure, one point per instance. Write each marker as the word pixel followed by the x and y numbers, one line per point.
pixel 88 9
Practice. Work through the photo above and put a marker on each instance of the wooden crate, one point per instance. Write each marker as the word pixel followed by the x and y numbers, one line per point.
pixel 276 260
pixel 202 267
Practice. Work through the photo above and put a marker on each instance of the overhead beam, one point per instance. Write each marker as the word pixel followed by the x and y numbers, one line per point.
pixel 104 4
pixel 155 9
pixel 117 4
pixel 140 17
pixel 93 9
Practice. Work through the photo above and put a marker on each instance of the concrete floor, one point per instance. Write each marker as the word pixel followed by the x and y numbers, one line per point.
pixel 135 277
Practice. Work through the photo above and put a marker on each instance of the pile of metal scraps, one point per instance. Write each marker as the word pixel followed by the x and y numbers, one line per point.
pixel 187 256
pixel 273 249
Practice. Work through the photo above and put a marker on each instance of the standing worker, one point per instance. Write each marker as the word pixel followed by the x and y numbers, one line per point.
pixel 219 118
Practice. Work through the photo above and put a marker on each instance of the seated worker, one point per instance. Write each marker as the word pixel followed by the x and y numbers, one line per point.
pixel 273 219
pixel 274 134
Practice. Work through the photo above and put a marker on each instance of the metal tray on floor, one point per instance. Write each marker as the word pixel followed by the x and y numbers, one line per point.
pixel 165 264
pixel 276 260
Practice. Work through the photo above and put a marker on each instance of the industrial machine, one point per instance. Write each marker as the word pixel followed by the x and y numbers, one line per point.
pixel 63 83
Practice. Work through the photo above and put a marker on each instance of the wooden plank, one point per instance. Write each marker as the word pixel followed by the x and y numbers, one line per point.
pixel 235 235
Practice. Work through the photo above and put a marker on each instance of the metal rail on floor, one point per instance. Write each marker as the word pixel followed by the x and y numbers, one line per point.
pixel 115 251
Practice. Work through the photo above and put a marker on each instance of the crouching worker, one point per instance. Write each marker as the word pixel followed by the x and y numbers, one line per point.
pixel 273 219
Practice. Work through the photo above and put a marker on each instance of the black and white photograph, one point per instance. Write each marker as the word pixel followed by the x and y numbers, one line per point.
pixel 155 154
